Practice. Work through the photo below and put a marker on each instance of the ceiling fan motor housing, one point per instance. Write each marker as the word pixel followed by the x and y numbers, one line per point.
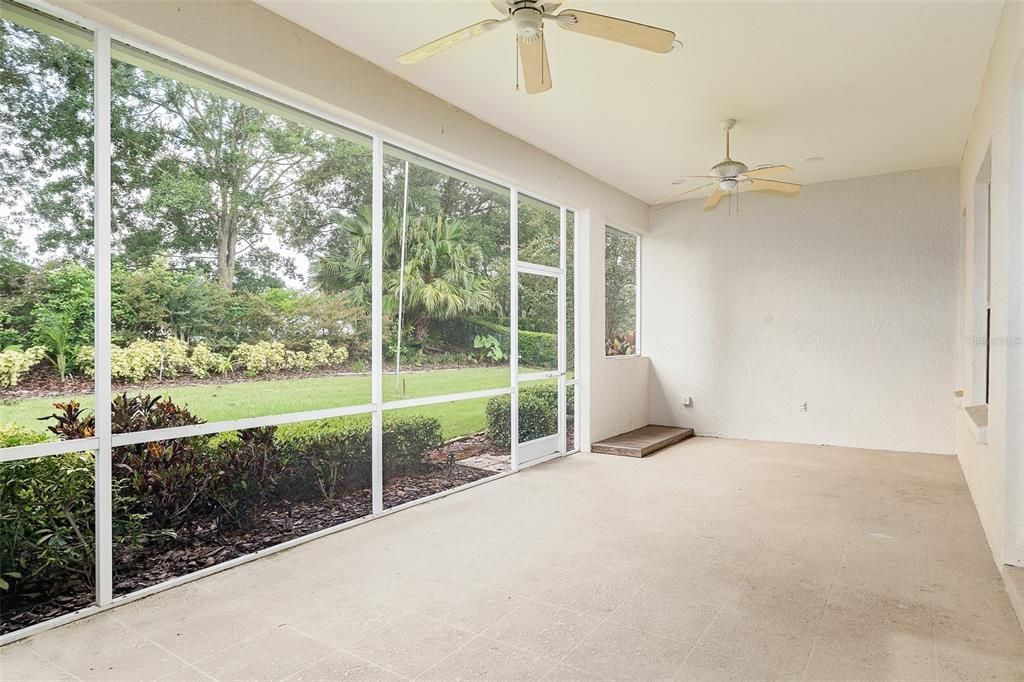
pixel 528 18
pixel 729 169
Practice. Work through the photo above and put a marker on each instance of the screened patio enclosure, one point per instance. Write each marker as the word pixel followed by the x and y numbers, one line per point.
pixel 229 324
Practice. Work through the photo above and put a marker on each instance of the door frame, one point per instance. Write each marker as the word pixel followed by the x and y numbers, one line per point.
pixel 555 445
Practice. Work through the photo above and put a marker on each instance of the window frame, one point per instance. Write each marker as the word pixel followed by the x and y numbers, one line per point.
pixel 637 275
pixel 104 38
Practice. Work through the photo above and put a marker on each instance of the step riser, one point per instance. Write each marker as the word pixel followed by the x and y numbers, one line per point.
pixel 643 441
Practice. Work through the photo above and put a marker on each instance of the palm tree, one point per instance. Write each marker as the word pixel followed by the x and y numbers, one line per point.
pixel 443 276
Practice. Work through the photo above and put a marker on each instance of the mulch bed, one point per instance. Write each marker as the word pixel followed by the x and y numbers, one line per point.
pixel 207 545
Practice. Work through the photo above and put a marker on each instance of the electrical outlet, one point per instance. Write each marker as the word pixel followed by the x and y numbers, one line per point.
pixel 803 406
pixel 688 401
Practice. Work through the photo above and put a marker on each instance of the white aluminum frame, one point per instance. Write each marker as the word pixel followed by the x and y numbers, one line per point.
pixel 559 274
pixel 101 445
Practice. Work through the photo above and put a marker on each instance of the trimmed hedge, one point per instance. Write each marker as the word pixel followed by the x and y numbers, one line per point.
pixel 333 456
pixel 538 414
pixel 537 349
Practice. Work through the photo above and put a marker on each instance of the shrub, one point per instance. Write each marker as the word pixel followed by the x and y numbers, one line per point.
pixel 15 363
pixel 623 343
pixel 47 521
pixel 61 299
pixel 55 330
pixel 144 359
pixel 329 457
pixel 273 356
pixel 248 467
pixel 538 414
pixel 406 440
pixel 333 456
pixel 203 362
pixel 259 358
pixel 164 478
pixel 537 349
pixel 13 435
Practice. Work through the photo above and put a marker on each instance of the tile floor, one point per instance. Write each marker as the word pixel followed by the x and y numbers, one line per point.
pixel 715 559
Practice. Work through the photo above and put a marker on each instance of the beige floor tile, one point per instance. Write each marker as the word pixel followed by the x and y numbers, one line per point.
pixel 19 663
pixel 593 595
pixel 487 659
pixel 410 644
pixel 136 658
pixel 780 636
pixel 675 613
pixel 346 622
pixel 706 665
pixel 470 606
pixel 964 664
pixel 566 673
pixel 273 655
pixel 187 673
pixel 543 629
pixel 616 652
pixel 288 600
pixel 872 653
pixel 80 641
pixel 194 630
pixel 342 666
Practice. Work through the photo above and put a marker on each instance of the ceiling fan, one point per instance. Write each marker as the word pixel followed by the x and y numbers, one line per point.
pixel 730 176
pixel 528 17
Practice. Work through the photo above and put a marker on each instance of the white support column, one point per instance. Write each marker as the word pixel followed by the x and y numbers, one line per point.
pixel 377 334
pixel 101 339
pixel 513 217
pixel 562 434
pixel 590 335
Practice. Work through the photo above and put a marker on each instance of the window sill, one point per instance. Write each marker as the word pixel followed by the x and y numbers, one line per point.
pixel 977 422
pixel 623 357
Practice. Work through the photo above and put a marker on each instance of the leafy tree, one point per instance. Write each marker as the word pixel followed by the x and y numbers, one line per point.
pixel 442 279
pixel 209 181
pixel 620 285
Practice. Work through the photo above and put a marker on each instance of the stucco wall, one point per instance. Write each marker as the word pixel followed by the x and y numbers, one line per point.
pixel 843 298
pixel 994 471
pixel 245 41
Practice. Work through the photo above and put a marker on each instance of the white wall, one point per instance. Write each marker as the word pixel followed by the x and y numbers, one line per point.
pixel 844 297
pixel 245 41
pixel 995 470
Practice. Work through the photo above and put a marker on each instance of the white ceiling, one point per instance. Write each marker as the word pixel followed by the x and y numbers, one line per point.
pixel 873 87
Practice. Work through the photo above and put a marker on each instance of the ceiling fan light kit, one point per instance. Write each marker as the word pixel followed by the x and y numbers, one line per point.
pixel 528 17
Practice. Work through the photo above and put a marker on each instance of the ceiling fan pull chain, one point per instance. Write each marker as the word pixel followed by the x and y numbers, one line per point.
pixel 517 63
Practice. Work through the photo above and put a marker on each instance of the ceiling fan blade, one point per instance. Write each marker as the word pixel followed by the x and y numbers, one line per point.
pixel 767 171
pixel 451 40
pixel 536 70
pixel 774 186
pixel 618 30
pixel 679 197
pixel 695 177
pixel 714 199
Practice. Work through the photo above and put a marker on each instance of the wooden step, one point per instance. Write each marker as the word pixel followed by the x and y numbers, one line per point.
pixel 643 441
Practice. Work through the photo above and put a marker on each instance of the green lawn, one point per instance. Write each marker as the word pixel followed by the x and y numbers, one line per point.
pixel 222 402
